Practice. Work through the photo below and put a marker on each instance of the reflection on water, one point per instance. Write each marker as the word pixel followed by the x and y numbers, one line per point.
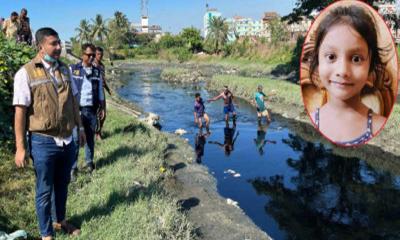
pixel 289 187
pixel 261 140
pixel 229 139
pixel 333 197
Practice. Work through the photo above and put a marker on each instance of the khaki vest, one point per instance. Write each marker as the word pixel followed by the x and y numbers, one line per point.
pixel 52 111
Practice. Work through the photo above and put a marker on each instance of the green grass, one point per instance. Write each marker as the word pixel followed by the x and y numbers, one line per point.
pixel 245 87
pixel 106 204
pixel 174 71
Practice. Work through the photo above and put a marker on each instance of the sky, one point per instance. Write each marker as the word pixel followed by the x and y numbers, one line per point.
pixel 172 15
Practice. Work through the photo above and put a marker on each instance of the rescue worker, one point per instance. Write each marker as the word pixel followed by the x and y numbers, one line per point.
pixel 45 106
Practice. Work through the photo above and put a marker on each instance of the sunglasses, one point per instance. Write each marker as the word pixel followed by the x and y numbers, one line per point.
pixel 90 54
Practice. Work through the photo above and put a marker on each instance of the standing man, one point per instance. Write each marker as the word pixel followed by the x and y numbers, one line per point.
pixel 11 26
pixel 227 95
pixel 87 79
pixel 99 64
pixel 24 33
pixel 45 106
pixel 260 103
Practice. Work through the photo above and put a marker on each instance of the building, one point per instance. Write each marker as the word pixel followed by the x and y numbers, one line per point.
pixel 145 24
pixel 299 28
pixel 240 26
pixel 210 13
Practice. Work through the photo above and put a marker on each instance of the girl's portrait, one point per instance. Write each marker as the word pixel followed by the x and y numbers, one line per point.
pixel 349 73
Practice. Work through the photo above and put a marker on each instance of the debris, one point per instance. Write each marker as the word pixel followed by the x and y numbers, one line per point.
pixel 230 171
pixel 15 235
pixel 233 173
pixel 153 120
pixel 162 169
pixel 180 131
pixel 232 202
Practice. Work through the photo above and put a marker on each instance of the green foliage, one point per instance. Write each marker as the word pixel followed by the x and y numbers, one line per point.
pixel 217 35
pixel 143 39
pixel 170 41
pixel 182 54
pixel 99 29
pixel 279 31
pixel 192 39
pixel 12 56
pixel 108 204
pixel 119 32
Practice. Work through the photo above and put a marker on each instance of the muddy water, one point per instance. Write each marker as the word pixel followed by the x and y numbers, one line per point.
pixel 289 187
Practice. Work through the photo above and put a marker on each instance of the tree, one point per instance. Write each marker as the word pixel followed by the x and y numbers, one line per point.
pixel 304 8
pixel 119 33
pixel 99 30
pixel 170 41
pixel 192 39
pixel 218 34
pixel 84 31
pixel 278 30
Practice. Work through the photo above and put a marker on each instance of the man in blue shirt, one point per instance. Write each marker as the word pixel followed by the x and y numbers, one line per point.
pixel 88 81
pixel 261 108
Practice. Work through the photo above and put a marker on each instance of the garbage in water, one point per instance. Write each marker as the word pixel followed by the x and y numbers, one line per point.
pixel 232 202
pixel 233 173
pixel 180 131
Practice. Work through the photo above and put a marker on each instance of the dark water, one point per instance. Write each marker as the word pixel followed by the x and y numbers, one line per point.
pixel 291 188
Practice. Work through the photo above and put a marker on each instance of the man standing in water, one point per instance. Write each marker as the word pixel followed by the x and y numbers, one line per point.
pixel 227 95
pixel 199 113
pixel 260 103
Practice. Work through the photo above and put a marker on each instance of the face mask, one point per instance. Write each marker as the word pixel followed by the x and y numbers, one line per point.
pixel 49 59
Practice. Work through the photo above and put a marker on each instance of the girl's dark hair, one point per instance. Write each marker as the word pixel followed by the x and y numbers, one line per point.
pixel 360 21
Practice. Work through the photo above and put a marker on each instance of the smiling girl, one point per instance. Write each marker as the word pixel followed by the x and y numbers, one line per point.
pixel 345 59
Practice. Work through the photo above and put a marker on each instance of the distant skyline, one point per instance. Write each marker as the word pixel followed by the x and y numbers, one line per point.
pixel 171 15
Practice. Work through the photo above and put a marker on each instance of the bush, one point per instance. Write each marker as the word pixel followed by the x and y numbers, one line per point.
pixel 12 56
pixel 182 54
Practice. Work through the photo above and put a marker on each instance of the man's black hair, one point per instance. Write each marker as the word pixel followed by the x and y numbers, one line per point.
pixel 44 32
pixel 197 95
pixel 88 45
pixel 14 14
pixel 100 49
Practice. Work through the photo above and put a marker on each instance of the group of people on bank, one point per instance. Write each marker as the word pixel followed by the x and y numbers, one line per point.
pixel 17 27
pixel 59 108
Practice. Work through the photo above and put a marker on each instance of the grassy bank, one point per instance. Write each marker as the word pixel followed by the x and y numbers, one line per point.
pixel 109 204
pixel 244 87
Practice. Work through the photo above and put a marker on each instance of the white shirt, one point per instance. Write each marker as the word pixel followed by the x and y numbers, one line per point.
pixel 22 93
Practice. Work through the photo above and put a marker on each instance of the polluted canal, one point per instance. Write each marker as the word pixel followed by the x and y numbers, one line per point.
pixel 290 188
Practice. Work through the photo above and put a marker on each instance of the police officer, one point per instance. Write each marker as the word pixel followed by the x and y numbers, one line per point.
pixel 45 106
pixel 88 81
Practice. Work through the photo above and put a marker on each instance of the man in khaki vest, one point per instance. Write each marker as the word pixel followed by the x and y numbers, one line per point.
pixel 46 107
pixel 11 27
